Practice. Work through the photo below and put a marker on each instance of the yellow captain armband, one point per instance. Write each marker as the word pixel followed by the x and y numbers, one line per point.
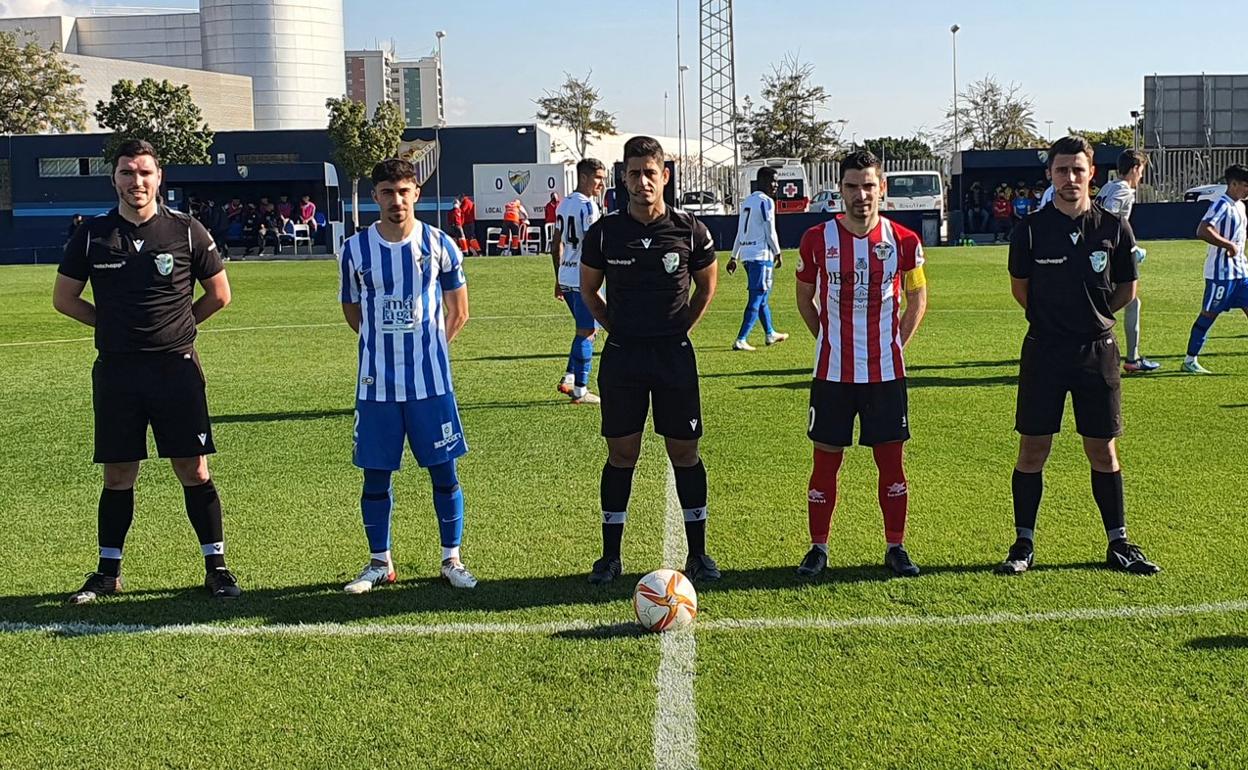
pixel 915 279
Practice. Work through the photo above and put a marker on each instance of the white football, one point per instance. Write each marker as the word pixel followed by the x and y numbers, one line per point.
pixel 665 599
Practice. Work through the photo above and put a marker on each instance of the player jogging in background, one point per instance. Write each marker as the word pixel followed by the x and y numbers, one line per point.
pixel 143 261
pixel 403 292
pixel 1071 267
pixel 573 217
pixel 1117 198
pixel 1226 267
pixel 759 248
pixel 851 273
pixel 514 217
pixel 650 256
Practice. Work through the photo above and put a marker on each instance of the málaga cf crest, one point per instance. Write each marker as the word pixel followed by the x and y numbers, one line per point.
pixel 423 155
pixel 519 180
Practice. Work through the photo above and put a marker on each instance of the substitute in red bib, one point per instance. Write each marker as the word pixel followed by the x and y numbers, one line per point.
pixel 143 261
pixel 851 274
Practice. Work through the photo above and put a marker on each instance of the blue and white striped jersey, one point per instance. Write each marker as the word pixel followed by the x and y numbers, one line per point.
pixel 756 229
pixel 1228 217
pixel 1117 197
pixel 403 351
pixel 574 215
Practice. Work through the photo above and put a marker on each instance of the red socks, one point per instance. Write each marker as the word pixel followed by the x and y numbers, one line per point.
pixel 821 495
pixel 894 494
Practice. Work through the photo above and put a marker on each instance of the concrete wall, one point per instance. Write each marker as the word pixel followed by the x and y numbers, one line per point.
pixel 171 39
pixel 47 30
pixel 291 49
pixel 226 100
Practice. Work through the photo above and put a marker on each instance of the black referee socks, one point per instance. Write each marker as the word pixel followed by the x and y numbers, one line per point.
pixel 691 490
pixel 116 512
pixel 1107 491
pixel 203 508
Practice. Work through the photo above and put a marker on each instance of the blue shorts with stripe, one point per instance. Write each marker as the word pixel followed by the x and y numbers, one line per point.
pixel 760 274
pixel 430 426
pixel 1221 296
pixel 580 311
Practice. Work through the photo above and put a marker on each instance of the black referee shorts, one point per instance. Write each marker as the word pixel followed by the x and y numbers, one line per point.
pixel 164 390
pixel 633 373
pixel 1088 371
pixel 882 409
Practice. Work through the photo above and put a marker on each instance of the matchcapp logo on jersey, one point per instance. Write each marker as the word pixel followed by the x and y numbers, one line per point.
pixel 450 436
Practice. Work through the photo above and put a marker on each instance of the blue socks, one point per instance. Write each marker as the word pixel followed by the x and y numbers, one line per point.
pixel 377 505
pixel 755 310
pixel 580 360
pixel 1200 332
pixel 448 503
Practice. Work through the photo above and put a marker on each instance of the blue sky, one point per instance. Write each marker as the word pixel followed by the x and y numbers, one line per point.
pixel 887 64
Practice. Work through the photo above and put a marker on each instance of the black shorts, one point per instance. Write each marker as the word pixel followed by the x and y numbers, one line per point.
pixel 632 373
pixel 1088 371
pixel 511 229
pixel 882 409
pixel 164 390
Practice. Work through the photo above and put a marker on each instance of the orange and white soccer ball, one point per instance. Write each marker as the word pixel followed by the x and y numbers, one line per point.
pixel 664 600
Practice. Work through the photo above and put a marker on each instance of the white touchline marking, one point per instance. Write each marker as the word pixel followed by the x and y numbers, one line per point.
pixel 1160 612
pixel 675 713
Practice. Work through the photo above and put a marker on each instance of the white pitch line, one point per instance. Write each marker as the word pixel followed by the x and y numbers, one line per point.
pixel 987 619
pixel 675 713
pixel 1159 612
pixel 305 629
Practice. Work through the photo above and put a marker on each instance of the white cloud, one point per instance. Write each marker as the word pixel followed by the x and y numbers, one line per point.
pixel 22 8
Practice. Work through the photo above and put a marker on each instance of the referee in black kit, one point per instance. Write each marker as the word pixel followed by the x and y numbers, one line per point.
pixel 1072 266
pixel 143 261
pixel 649 255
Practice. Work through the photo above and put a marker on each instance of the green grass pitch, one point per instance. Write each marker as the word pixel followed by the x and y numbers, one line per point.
pixel 852 670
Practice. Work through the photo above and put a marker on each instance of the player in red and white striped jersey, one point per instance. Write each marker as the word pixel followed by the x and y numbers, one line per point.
pixel 851 275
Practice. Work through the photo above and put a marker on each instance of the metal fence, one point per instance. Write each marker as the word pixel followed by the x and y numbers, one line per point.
pixel 722 180
pixel 1172 171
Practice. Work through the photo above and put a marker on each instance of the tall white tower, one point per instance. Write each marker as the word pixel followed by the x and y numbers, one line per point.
pixel 292 49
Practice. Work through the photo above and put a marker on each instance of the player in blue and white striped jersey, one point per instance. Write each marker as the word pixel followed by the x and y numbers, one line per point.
pixel 572 218
pixel 397 278
pixel 759 248
pixel 1118 197
pixel 1223 227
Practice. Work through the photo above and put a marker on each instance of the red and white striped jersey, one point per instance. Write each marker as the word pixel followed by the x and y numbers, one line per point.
pixel 859 285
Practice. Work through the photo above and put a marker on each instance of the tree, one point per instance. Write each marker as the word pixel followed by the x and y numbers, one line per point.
pixel 161 113
pixel 785 124
pixel 360 143
pixel 1118 136
pixel 886 147
pixel 575 107
pixel 993 117
pixel 39 91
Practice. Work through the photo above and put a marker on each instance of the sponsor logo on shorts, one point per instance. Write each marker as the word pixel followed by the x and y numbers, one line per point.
pixel 816 496
pixel 203 439
pixel 450 437
pixel 898 489
pixel 367 381
pixel 693 424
